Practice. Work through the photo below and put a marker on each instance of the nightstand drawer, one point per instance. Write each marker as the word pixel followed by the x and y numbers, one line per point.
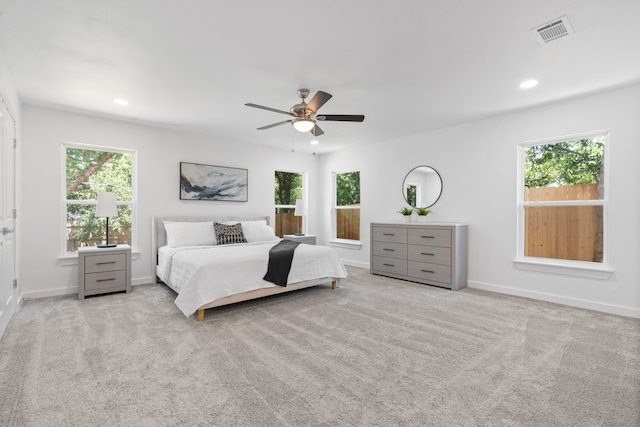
pixel 107 262
pixel 431 272
pixel 105 280
pixel 309 239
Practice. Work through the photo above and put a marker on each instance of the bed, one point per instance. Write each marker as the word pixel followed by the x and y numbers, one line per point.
pixel 207 274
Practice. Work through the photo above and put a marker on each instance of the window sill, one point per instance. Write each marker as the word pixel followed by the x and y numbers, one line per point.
pixel 346 244
pixel 575 268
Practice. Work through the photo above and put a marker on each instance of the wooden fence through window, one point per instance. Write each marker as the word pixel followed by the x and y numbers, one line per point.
pixel 564 232
pixel 288 223
pixel 348 224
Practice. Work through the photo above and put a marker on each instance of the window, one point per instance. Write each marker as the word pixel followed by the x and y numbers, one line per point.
pixel 89 171
pixel 347 205
pixel 413 193
pixel 289 187
pixel 563 201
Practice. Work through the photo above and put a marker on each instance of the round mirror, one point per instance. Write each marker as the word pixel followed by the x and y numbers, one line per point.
pixel 422 187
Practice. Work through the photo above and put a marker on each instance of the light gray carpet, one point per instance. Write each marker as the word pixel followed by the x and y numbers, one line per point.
pixel 375 352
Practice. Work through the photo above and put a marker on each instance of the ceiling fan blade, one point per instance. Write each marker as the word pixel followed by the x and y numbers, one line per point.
pixel 269 109
pixel 341 117
pixel 318 100
pixel 274 125
pixel 316 131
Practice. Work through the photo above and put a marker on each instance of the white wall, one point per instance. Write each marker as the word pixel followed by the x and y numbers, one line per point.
pixel 7 88
pixel 159 153
pixel 477 162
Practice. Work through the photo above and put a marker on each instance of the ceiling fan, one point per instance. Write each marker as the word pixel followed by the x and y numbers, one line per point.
pixel 305 115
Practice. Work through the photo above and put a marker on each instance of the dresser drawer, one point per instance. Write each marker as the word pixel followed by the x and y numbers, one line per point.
pixel 431 272
pixel 390 265
pixel 430 236
pixel 390 250
pixel 430 254
pixel 105 280
pixel 106 262
pixel 390 234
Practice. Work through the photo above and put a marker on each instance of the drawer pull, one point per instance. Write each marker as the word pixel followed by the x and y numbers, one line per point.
pixel 424 253
pixel 427 271
pixel 390 250
pixel 388 234
pixel 428 237
pixel 106 280
pixel 106 262
pixel 389 265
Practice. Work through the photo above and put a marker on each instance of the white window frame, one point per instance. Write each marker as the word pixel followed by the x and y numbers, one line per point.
pixel 344 243
pixel 133 203
pixel 558 266
pixel 305 222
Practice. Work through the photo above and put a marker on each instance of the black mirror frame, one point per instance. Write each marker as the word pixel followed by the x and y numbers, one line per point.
pixel 404 193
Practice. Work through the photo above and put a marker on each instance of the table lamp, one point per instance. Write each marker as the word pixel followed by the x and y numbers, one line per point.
pixel 107 207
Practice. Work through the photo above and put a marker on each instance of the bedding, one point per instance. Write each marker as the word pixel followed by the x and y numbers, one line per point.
pixel 280 259
pixel 203 274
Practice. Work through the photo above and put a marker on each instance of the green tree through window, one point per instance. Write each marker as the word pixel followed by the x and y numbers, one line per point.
pixel 347 209
pixel 288 189
pixel 89 172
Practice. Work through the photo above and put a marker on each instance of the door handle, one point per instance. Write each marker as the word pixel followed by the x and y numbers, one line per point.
pixel 6 230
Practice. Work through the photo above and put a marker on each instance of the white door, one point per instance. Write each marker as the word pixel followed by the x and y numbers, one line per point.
pixel 7 220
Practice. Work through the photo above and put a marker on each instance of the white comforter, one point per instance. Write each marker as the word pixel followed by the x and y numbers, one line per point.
pixel 202 274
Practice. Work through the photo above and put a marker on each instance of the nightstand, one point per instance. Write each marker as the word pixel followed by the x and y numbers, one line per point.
pixel 309 239
pixel 103 270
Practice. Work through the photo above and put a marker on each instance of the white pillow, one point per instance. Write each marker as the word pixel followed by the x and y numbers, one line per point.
pixel 256 231
pixel 181 234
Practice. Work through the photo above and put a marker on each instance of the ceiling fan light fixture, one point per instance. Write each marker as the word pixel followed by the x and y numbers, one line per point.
pixel 304 124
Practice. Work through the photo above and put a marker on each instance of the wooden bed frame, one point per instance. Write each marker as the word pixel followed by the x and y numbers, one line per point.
pixel 159 238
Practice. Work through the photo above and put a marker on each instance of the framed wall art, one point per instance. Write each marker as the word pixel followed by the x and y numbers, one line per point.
pixel 206 182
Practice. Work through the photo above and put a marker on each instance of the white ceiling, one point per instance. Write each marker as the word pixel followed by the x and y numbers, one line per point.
pixel 409 66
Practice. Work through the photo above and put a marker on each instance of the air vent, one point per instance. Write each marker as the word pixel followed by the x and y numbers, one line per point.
pixel 552 30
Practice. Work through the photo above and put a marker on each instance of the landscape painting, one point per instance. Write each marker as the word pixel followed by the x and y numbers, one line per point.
pixel 205 182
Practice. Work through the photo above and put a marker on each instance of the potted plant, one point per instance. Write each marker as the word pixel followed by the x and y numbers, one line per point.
pixel 422 214
pixel 406 213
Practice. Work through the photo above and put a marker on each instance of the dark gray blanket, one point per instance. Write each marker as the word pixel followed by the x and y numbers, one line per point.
pixel 280 258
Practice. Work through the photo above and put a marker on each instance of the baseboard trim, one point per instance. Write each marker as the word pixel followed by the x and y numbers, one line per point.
pixel 71 290
pixel 356 264
pixel 573 302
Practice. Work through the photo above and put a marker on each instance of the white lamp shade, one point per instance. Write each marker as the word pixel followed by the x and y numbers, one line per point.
pixel 107 206
pixel 303 125
pixel 300 209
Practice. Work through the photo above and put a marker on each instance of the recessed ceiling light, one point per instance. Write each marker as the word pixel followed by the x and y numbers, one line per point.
pixel 121 101
pixel 528 84
pixel 315 142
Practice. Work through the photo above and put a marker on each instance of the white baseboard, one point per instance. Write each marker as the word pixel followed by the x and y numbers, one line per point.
pixel 71 290
pixel 356 264
pixel 573 302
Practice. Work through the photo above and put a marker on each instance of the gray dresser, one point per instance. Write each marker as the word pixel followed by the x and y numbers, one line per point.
pixel 431 253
